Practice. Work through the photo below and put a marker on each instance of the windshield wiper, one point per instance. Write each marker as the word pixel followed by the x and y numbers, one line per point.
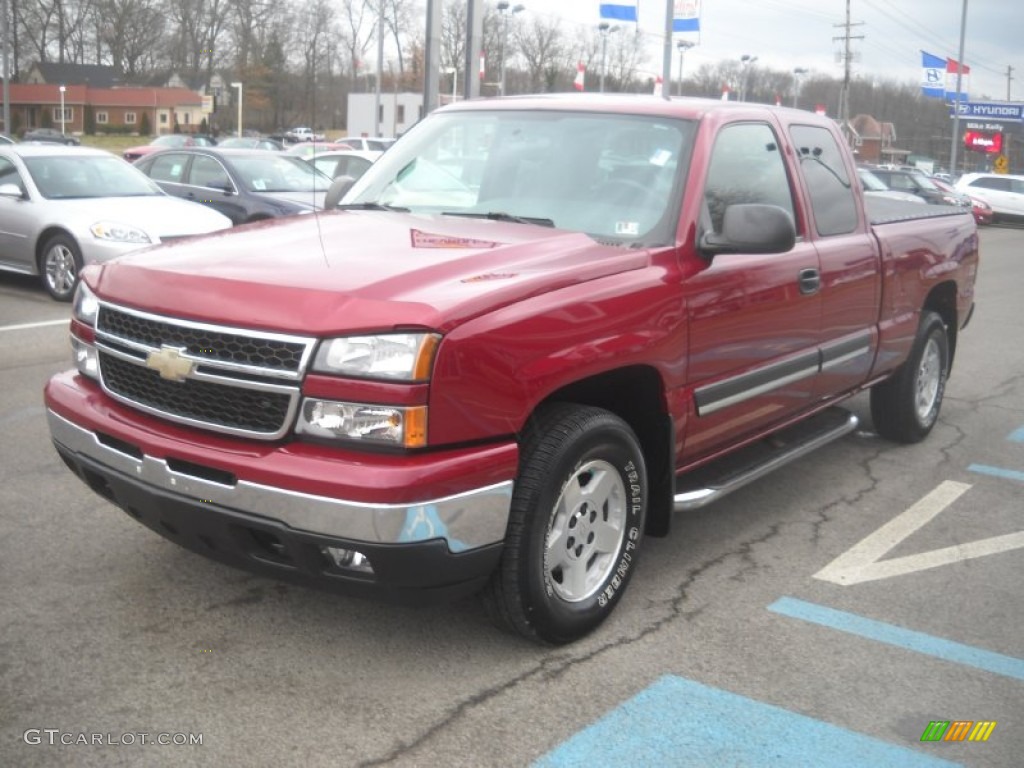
pixel 500 216
pixel 371 207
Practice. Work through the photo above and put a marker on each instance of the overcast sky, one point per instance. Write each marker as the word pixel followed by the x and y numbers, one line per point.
pixel 785 34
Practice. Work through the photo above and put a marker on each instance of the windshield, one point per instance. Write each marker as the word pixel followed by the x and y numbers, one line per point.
pixel 615 177
pixel 278 173
pixel 75 176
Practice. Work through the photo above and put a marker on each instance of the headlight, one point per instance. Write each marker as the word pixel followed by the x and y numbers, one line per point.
pixel 395 356
pixel 119 233
pixel 86 305
pixel 384 424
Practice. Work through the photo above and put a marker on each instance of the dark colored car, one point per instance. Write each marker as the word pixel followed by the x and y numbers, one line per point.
pixel 50 136
pixel 243 184
pixel 917 183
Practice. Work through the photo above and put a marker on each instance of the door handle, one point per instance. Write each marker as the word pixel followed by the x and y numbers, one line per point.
pixel 809 280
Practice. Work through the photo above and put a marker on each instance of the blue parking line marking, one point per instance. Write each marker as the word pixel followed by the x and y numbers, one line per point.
pixel 990 661
pixel 1009 474
pixel 680 722
pixel 1017 436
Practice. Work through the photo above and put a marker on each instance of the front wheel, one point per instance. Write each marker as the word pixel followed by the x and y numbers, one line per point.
pixel 59 266
pixel 906 406
pixel 575 526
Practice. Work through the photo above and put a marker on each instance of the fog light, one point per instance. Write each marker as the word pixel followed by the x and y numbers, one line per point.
pixel 87 360
pixel 348 559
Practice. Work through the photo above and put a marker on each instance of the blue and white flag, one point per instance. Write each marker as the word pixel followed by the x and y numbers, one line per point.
pixel 625 12
pixel 933 75
pixel 686 16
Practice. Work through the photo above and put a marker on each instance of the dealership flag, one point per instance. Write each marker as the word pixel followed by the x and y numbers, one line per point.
pixel 580 72
pixel 933 75
pixel 686 16
pixel 658 83
pixel 965 72
pixel 619 11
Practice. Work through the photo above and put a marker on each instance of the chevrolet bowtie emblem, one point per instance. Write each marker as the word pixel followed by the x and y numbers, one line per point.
pixel 169 363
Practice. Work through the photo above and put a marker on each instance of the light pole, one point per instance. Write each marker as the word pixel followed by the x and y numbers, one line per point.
pixel 238 85
pixel 683 46
pixel 796 83
pixel 506 11
pixel 62 89
pixel 454 72
pixel 746 61
pixel 604 27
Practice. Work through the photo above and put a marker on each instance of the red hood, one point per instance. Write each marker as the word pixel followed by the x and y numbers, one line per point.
pixel 356 270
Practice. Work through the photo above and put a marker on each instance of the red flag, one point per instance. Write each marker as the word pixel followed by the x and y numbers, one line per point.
pixel 725 92
pixel 580 71
pixel 658 83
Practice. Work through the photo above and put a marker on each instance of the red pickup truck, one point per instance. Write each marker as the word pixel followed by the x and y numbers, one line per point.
pixel 530 332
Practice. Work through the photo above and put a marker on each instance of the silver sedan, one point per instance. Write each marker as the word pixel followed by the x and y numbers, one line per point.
pixel 62 208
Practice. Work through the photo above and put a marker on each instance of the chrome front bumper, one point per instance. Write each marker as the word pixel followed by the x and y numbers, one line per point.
pixel 465 521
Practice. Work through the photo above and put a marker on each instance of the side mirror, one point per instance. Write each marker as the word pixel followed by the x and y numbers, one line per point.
pixel 11 190
pixel 337 190
pixel 751 228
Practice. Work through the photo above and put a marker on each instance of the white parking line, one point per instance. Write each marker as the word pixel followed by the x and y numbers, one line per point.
pixel 26 326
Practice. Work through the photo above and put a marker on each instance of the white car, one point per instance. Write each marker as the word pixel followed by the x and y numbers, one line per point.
pixel 1003 192
pixel 62 208
pixel 368 143
pixel 302 133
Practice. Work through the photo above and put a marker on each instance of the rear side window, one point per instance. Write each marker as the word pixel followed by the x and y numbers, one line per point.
pixel 746 167
pixel 821 163
pixel 167 167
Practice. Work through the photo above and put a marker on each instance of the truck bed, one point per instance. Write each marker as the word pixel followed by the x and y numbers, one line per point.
pixel 881 210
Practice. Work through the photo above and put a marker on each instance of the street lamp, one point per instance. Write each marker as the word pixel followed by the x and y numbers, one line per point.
pixel 506 11
pixel 683 46
pixel 62 89
pixel 238 85
pixel 604 27
pixel 797 73
pixel 746 60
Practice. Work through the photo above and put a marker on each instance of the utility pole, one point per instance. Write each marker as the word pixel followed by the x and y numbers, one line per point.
pixel 844 96
pixel 956 102
pixel 1009 79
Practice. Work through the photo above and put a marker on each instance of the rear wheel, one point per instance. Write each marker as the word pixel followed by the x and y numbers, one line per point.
pixel 906 406
pixel 576 523
pixel 59 265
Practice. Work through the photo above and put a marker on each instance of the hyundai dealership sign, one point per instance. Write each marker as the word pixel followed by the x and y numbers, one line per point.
pixel 990 111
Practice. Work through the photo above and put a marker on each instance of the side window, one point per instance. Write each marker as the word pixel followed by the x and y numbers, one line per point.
pixel 746 167
pixel 824 171
pixel 168 168
pixel 987 182
pixel 207 172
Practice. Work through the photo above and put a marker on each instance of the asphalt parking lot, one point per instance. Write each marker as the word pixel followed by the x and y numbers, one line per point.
pixel 841 612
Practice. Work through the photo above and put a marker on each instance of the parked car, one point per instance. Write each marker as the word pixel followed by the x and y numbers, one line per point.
pixel 62 208
pixel 251 142
pixel 914 182
pixel 302 133
pixel 874 187
pixel 166 142
pixel 344 162
pixel 50 136
pixel 1003 192
pixel 243 184
pixel 369 143
pixel 502 371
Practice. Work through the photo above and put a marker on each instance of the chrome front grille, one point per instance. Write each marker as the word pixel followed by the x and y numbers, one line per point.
pixel 237 381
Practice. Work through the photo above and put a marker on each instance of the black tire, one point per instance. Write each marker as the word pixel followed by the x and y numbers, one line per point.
pixel 906 406
pixel 60 263
pixel 581 475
